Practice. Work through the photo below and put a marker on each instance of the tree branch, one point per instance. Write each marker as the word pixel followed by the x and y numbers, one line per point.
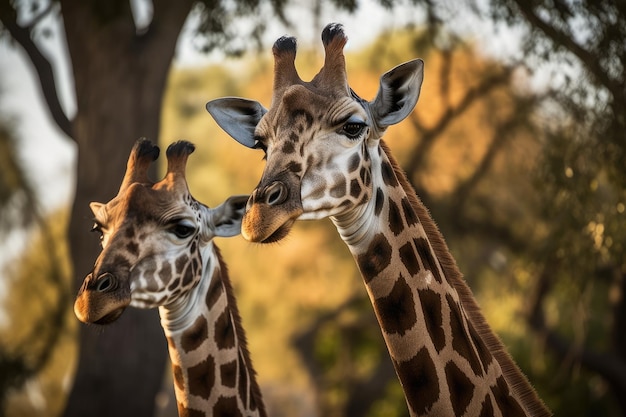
pixel 43 68
pixel 417 156
pixel 503 133
pixel 607 364
pixel 588 59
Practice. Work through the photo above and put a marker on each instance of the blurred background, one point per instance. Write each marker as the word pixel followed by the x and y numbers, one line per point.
pixel 517 146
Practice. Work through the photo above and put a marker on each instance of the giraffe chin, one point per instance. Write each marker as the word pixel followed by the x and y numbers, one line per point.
pixel 111 317
pixel 280 233
pixel 264 224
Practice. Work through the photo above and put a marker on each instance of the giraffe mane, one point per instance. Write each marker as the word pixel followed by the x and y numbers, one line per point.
pixel 513 375
pixel 255 390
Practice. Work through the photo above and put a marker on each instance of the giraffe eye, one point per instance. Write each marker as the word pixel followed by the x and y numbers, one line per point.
pixel 353 130
pixel 182 229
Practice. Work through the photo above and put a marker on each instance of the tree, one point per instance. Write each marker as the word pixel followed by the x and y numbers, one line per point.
pixel 119 71
pixel 584 175
pixel 120 54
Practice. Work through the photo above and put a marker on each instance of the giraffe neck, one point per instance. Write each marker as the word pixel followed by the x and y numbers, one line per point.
pixel 447 359
pixel 213 374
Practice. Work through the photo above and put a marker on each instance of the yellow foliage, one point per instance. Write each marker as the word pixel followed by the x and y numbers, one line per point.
pixel 39 291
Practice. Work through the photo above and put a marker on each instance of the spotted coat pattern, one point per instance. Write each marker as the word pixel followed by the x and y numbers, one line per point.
pixel 158 252
pixel 325 158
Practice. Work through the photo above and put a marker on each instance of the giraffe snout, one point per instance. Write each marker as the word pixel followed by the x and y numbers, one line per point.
pixel 101 300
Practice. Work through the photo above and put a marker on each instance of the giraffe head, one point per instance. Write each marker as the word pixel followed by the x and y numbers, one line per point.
pixel 318 137
pixel 152 237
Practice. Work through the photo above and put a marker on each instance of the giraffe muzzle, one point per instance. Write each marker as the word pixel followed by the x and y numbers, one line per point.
pixel 101 300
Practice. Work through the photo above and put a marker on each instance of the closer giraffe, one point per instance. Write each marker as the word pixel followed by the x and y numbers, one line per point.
pixel 325 158
pixel 157 251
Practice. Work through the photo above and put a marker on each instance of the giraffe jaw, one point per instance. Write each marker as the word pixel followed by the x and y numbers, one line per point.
pixel 110 317
pixel 263 223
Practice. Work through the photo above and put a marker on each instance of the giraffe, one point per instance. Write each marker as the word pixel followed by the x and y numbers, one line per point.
pixel 325 157
pixel 157 251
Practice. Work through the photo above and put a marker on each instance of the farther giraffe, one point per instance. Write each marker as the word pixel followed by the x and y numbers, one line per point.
pixel 157 251
pixel 325 158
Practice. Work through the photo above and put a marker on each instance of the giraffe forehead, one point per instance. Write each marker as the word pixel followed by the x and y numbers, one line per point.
pixel 302 108
pixel 145 204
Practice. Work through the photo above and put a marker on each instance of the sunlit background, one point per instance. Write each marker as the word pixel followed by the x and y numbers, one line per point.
pixel 516 146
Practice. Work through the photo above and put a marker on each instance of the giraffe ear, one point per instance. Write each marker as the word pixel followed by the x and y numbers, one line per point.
pixel 95 207
pixel 398 93
pixel 238 117
pixel 226 218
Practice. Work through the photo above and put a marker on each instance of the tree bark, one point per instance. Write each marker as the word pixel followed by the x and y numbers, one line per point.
pixel 119 77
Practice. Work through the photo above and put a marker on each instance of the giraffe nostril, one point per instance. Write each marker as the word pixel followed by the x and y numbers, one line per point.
pixel 105 283
pixel 276 193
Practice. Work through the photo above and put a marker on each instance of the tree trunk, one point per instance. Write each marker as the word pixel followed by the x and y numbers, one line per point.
pixel 119 77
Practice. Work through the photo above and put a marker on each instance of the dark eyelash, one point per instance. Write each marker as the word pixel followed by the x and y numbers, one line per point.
pixel 259 143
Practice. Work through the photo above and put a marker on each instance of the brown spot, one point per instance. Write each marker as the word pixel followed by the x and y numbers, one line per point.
pixel 215 292
pixel 428 260
pixel 175 283
pixel 376 258
pixel 355 188
pixel 288 147
pixel 483 353
pixel 181 263
pixel 202 378
pixel 419 380
pixel 339 189
pixel 486 407
pixel 397 310
pixel 193 337
pixel 431 307
pixel 228 372
pixel 294 167
pixel 226 407
pixel 389 177
pixel 132 248
pixel 354 162
pixel 224 333
pixel 506 403
pixel 165 273
pixel 408 258
pixel 129 232
pixel 409 213
pixel 179 378
pixel 395 219
pixel 461 388
pixel 460 338
pixel 380 198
